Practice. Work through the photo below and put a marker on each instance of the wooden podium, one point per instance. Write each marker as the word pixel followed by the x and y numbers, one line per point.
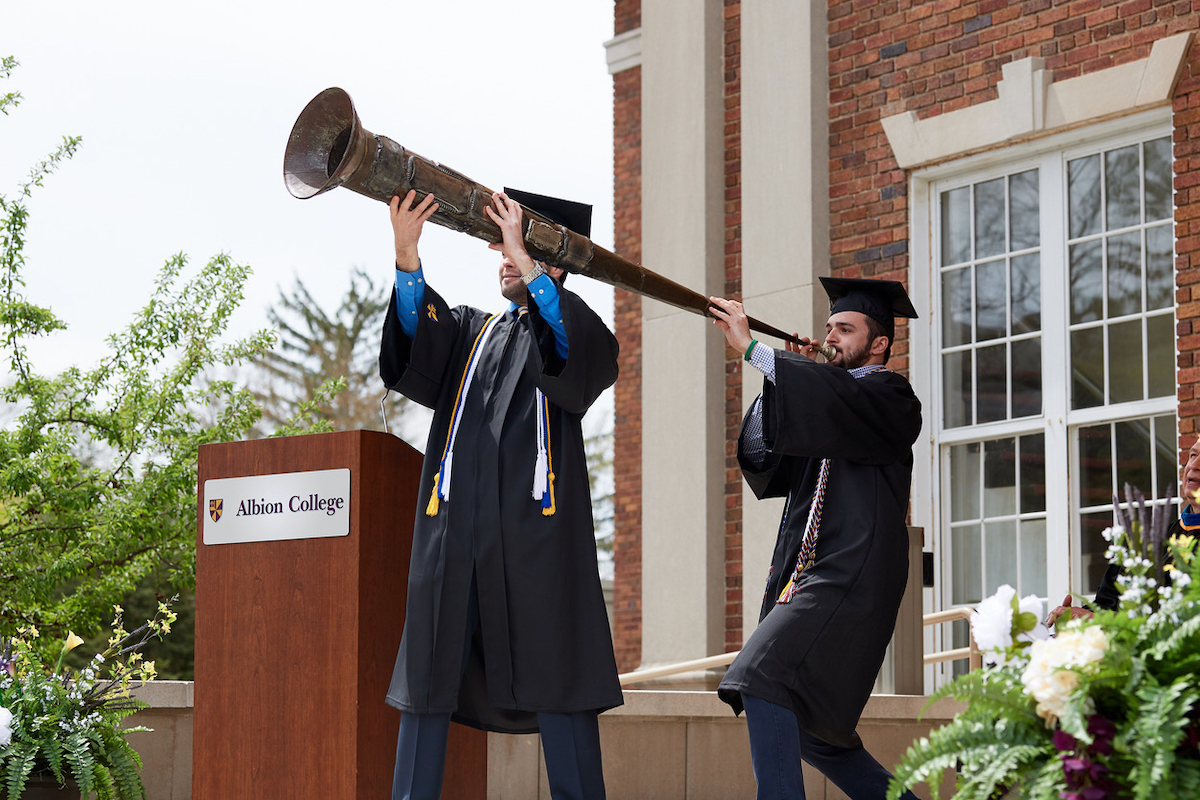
pixel 296 639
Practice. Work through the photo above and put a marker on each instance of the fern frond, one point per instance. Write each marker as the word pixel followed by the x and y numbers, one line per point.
pixel 1000 768
pixel 1180 640
pixel 52 751
pixel 1156 729
pixel 990 753
pixel 1047 782
pixel 20 758
pixel 989 696
pixel 103 780
pixel 126 765
pixel 1184 780
pixel 79 756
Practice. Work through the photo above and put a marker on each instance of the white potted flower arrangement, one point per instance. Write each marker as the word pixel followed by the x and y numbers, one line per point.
pixel 1107 708
pixel 62 728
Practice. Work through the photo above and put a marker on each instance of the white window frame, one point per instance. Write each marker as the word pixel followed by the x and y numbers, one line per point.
pixel 1050 155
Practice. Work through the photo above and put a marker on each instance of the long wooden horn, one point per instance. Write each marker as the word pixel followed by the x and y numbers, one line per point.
pixel 329 147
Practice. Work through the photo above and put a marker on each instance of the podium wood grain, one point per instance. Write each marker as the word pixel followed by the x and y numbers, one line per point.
pixel 296 639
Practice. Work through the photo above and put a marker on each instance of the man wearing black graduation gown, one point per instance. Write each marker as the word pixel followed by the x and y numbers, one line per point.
pixel 506 628
pixel 836 440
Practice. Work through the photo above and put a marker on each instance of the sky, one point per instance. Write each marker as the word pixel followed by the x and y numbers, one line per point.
pixel 185 108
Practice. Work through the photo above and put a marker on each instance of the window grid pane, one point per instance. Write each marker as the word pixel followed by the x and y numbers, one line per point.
pixel 998 516
pixel 990 300
pixel 1140 453
pixel 1110 281
pixel 1119 253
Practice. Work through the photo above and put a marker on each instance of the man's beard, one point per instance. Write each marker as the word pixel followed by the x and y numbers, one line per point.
pixel 855 358
pixel 516 292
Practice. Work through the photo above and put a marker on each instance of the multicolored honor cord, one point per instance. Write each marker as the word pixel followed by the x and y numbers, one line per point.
pixel 543 469
pixel 441 481
pixel 808 545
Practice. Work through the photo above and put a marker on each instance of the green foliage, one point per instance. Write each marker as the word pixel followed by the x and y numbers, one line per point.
pixel 97 475
pixel 598 450
pixel 98 465
pixel 1155 731
pixel 7 64
pixel 68 722
pixel 173 655
pixel 1108 709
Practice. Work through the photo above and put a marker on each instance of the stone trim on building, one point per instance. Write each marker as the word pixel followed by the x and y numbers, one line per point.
pixel 1031 105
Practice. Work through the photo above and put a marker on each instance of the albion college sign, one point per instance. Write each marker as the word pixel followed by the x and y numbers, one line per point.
pixel 268 508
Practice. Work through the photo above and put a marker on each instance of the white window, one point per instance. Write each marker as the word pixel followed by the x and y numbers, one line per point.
pixel 1051 359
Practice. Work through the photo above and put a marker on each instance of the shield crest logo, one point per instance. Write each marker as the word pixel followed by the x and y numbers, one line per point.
pixel 215 508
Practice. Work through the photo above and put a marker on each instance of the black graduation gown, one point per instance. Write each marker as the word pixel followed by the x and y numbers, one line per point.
pixel 543 642
pixel 819 654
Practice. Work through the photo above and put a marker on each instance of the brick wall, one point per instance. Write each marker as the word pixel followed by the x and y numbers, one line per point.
pixel 733 288
pixel 893 56
pixel 627 313
pixel 1187 235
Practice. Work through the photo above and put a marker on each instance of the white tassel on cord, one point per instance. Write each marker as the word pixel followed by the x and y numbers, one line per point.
pixel 441 488
pixel 541 467
pixel 444 487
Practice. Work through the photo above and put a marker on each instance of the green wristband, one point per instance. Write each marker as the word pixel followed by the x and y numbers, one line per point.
pixel 750 349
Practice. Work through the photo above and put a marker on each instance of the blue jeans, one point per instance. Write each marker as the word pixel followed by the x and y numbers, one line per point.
pixel 777 745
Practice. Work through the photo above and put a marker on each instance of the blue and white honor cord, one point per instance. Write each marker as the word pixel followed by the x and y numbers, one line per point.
pixel 543 471
pixel 441 482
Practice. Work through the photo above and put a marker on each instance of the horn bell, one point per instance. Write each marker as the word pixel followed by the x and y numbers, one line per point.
pixel 327 144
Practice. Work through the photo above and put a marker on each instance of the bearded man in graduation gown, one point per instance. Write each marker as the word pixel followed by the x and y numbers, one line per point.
pixel 506 628
pixel 836 440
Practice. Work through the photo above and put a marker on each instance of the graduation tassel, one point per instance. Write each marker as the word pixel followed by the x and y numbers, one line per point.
pixel 543 466
pixel 789 591
pixel 548 508
pixel 431 510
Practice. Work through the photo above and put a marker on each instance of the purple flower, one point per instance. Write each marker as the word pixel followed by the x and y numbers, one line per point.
pixel 1103 731
pixel 1094 793
pixel 1101 727
pixel 1063 740
pixel 1075 764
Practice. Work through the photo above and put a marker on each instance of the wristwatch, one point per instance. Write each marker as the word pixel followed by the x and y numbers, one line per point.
pixel 533 274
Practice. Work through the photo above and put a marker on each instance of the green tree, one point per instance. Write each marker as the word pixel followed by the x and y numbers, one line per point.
pixel 598 448
pixel 316 346
pixel 98 465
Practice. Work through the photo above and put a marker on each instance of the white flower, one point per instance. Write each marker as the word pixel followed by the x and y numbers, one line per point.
pixel 1054 665
pixel 1032 604
pixel 6 719
pixel 991 624
pixel 996 630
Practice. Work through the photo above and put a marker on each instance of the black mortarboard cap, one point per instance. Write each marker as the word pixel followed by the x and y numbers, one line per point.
pixel 575 216
pixel 879 300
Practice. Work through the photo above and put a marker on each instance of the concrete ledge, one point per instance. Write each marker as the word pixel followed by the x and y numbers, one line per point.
pixel 167 694
pixel 683 745
pixel 689 745
pixel 166 749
